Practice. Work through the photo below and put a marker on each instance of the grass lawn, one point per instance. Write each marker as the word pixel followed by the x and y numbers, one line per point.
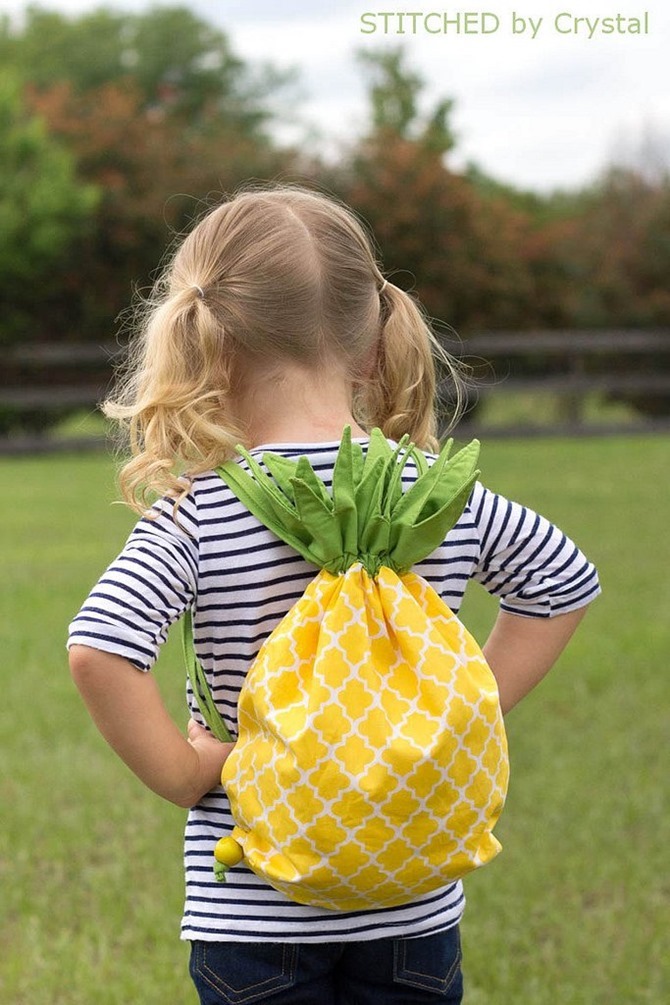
pixel 574 909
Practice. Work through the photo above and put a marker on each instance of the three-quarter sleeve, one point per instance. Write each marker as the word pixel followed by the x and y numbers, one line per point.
pixel 145 589
pixel 529 563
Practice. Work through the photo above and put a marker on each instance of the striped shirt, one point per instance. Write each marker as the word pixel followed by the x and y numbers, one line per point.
pixel 240 581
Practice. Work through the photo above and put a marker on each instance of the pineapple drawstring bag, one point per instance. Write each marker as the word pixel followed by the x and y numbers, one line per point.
pixel 371 761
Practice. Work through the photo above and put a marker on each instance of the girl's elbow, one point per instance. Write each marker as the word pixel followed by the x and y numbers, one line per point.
pixel 88 665
pixel 81 660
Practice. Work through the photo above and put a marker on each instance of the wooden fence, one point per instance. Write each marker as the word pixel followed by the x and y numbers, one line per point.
pixel 43 380
pixel 569 366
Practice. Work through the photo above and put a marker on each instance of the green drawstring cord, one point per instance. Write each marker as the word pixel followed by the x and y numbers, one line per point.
pixel 199 685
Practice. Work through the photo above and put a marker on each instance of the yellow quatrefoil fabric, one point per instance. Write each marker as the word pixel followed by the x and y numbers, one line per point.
pixel 371 762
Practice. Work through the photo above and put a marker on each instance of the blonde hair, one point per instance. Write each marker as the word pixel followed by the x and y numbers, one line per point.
pixel 279 273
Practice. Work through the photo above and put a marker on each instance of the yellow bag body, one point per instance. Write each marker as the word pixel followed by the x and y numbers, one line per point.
pixel 371 762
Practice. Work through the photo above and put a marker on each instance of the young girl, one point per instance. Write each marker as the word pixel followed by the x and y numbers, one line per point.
pixel 273 326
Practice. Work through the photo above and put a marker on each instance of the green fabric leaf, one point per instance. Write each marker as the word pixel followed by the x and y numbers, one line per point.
pixel 441 480
pixel 413 542
pixel 344 495
pixel 325 530
pixel 282 470
pixel 369 493
pixel 261 497
pixel 305 473
pixel 394 470
pixel 367 517
pixel 358 459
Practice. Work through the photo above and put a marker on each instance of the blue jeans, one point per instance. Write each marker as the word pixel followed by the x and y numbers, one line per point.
pixel 414 971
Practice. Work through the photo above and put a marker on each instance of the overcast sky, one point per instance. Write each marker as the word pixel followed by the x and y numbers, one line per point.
pixel 542 108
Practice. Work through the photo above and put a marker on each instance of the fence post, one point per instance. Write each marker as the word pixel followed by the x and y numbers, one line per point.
pixel 570 405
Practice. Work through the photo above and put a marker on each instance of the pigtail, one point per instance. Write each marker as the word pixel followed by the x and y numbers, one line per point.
pixel 171 399
pixel 400 396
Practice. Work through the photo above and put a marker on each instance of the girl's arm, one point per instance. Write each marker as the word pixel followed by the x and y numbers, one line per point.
pixel 521 650
pixel 127 708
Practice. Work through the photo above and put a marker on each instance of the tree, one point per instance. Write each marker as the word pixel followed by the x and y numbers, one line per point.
pixel 154 176
pixel 471 253
pixel 133 123
pixel 44 209
pixel 619 251
pixel 179 64
pixel 621 255
pixel 159 114
pixel 394 93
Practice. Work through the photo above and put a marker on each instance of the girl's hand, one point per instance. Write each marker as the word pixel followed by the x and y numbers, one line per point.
pixel 212 754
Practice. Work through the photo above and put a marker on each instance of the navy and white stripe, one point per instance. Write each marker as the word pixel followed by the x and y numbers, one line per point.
pixel 240 580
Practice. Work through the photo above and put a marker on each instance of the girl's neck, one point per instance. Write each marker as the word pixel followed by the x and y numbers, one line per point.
pixel 295 404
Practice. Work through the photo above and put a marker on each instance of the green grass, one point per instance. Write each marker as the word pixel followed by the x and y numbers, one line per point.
pixel 90 863
pixel 573 909
pixel 542 410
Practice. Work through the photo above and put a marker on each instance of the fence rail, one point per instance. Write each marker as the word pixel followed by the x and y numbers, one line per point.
pixel 52 379
pixel 569 365
pixel 565 342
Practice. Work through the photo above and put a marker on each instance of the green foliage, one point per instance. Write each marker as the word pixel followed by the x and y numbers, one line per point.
pixel 464 255
pixel 91 863
pixel 154 176
pixel 394 106
pixel 541 208
pixel 43 208
pixel 178 62
pixel 623 250
pixel 482 255
pixel 485 255
pixel 156 114
pixel 50 47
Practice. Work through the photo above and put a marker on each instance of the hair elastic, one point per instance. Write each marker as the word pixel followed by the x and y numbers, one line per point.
pixel 199 290
pixel 383 286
